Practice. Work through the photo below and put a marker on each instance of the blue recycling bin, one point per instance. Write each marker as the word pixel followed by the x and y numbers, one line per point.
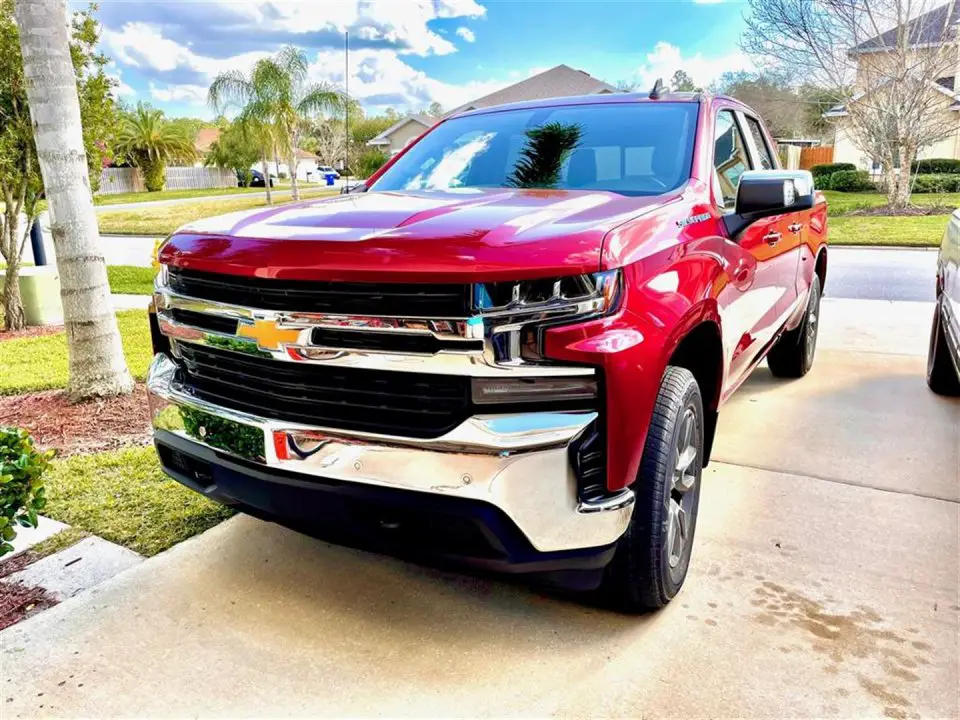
pixel 330 178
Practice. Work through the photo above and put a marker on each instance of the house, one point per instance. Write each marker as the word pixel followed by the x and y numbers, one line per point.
pixel 559 81
pixel 307 164
pixel 930 32
pixel 204 138
pixel 402 133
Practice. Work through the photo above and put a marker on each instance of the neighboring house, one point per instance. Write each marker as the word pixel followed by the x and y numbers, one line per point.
pixel 559 81
pixel 202 142
pixel 307 164
pixel 407 129
pixel 926 34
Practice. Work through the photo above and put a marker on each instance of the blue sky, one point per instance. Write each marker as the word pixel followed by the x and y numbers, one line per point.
pixel 407 53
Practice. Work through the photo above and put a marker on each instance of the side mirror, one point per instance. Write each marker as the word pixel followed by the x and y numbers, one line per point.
pixel 350 189
pixel 763 193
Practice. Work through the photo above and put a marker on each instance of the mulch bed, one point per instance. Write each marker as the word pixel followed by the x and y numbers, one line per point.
pixel 19 601
pixel 911 211
pixel 92 426
pixel 38 331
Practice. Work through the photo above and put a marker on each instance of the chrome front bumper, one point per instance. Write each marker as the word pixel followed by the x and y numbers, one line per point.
pixel 519 463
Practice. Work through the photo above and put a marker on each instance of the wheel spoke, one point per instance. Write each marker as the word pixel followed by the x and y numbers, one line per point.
pixel 674 535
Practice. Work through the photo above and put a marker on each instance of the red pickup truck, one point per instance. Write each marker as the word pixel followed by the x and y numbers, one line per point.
pixel 508 348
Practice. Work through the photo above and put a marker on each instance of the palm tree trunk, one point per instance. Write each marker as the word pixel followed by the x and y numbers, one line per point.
pixel 294 188
pixel 266 174
pixel 97 366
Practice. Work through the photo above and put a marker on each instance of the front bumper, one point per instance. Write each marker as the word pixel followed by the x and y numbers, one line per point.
pixel 516 467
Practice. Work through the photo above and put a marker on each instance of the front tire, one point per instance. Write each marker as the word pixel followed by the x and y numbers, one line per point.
pixel 942 376
pixel 792 355
pixel 651 560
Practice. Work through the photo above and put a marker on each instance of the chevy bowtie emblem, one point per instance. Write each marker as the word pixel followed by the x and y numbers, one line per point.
pixel 267 334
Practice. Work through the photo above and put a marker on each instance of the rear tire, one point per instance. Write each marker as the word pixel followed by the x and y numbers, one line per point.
pixel 652 557
pixel 942 376
pixel 792 355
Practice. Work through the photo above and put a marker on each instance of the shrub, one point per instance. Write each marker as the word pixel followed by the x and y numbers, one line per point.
pixel 282 175
pixel 851 181
pixel 947 166
pixel 930 183
pixel 827 169
pixel 22 494
pixel 370 161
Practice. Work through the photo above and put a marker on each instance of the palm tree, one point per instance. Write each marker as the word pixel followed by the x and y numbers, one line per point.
pixel 97 365
pixel 278 96
pixel 151 142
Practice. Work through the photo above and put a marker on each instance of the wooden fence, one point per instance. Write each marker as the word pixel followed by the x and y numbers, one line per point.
pixel 129 180
pixel 818 155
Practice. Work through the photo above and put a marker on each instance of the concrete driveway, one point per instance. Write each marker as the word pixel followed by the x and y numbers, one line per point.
pixel 824 583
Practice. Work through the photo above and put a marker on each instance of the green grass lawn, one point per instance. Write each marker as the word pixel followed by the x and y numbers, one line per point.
pixel 165 219
pixel 40 363
pixel 123 496
pixel 131 280
pixel 841 202
pixel 916 231
pixel 137 197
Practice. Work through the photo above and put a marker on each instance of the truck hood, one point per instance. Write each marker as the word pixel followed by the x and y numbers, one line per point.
pixel 440 236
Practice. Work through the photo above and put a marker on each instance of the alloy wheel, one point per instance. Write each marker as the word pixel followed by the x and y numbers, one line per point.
pixel 681 498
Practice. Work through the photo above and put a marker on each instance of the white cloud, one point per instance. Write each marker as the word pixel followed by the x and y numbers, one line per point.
pixel 466 34
pixel 120 88
pixel 190 94
pixel 666 59
pixel 381 79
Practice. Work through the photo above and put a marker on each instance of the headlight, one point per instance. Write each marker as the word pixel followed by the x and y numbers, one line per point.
pixel 516 314
pixel 596 293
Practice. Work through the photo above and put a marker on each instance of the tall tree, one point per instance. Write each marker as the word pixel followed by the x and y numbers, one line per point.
pixel 884 58
pixel 278 93
pixel 235 149
pixel 20 181
pixel 97 365
pixel 151 142
pixel 682 82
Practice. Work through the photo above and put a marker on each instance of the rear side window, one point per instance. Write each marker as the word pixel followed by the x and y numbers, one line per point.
pixel 763 152
pixel 730 158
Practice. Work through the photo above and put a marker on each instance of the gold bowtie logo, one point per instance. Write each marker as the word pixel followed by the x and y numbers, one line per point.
pixel 267 334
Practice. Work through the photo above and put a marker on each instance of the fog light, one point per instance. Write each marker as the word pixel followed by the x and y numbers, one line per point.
pixel 490 391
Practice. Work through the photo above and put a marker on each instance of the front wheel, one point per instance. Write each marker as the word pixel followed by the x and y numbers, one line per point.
pixel 652 557
pixel 942 376
pixel 792 355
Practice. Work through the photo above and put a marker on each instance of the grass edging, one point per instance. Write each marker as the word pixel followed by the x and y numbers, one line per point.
pixel 123 496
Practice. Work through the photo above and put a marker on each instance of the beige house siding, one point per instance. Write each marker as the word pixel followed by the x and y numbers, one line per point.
pixel 404 135
pixel 845 150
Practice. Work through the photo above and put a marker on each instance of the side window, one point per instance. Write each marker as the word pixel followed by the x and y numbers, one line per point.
pixel 730 158
pixel 766 159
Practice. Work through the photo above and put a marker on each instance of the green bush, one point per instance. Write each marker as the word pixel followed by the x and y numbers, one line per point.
pixel 22 494
pixel 827 169
pixel 936 183
pixel 154 176
pixel 850 181
pixel 946 166
pixel 370 162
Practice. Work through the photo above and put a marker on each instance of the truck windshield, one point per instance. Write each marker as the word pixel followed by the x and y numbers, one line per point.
pixel 626 148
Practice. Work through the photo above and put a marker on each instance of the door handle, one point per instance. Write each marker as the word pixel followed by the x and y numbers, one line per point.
pixel 796 227
pixel 772 238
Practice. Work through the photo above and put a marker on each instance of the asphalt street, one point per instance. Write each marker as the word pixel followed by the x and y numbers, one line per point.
pixel 881 274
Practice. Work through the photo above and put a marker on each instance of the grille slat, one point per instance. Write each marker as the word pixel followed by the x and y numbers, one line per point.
pixel 448 300
pixel 388 402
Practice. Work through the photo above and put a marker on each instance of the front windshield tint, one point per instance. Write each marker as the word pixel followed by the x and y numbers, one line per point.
pixel 627 148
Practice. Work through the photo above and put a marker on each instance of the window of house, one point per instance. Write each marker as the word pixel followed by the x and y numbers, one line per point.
pixel 763 151
pixel 730 158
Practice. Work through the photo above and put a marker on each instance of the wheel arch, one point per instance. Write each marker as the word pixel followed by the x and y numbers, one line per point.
pixel 699 349
pixel 820 267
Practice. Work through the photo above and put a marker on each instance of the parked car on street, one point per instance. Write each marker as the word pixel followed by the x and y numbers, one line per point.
pixel 509 347
pixel 256 179
pixel 943 360
pixel 324 170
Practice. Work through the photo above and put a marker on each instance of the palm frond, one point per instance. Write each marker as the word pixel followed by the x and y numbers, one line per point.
pixel 542 158
pixel 229 88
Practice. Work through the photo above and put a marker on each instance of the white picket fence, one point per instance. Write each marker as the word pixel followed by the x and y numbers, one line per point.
pixel 127 180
